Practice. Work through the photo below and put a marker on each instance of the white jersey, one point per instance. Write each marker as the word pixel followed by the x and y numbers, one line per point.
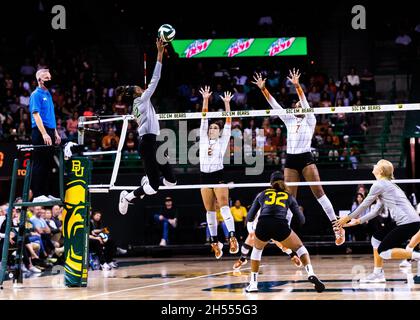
pixel 143 109
pixel 300 130
pixel 212 151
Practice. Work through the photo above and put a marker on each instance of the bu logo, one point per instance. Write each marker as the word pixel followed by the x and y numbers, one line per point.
pixel 77 168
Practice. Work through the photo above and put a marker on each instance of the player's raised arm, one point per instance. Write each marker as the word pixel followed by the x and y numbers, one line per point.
pixel 147 94
pixel 206 93
pixel 294 79
pixel 260 83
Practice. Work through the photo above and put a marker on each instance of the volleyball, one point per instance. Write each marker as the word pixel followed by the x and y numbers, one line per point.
pixel 166 33
pixel 104 236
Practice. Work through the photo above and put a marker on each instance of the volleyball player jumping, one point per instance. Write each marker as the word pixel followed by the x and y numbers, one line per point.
pixel 299 159
pixel 148 130
pixel 212 150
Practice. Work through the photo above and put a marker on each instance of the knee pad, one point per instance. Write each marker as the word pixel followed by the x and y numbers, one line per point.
pixel 247 246
pixel 386 255
pixel 149 190
pixel 245 249
pixel 169 184
pixel 256 254
pixel 301 251
pixel 375 243
pixel 250 226
pixel 225 212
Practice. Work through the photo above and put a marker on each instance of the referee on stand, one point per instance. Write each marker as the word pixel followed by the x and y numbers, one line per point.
pixel 44 132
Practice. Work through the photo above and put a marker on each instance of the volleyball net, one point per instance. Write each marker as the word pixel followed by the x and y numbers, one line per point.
pixel 345 137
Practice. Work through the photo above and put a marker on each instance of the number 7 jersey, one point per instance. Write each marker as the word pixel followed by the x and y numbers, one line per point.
pixel 273 203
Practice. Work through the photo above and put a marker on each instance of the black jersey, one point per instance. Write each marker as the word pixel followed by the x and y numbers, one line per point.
pixel 274 203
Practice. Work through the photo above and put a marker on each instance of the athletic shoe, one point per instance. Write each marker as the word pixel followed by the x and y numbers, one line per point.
pixel 105 267
pixel 217 248
pixel 252 287
pixel 239 263
pixel 319 286
pixel 113 265
pixel 123 204
pixel 374 278
pixel 295 259
pixel 233 245
pixel 144 180
pixel 162 243
pixel 34 269
pixel 405 264
pixel 52 198
pixel 340 236
pixel 23 268
pixel 41 199
pixel 121 251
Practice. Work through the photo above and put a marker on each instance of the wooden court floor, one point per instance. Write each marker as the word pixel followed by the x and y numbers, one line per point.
pixel 209 279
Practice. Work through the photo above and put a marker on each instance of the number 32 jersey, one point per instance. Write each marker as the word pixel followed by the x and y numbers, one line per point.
pixel 273 203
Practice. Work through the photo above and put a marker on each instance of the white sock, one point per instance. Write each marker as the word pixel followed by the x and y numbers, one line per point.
pixel 130 196
pixel 212 223
pixel 228 218
pixel 254 277
pixel 418 268
pixel 409 249
pixel 415 255
pixel 377 270
pixel 327 206
pixel 309 270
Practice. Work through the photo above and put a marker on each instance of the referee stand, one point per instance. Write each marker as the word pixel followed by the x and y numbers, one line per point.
pixel 16 273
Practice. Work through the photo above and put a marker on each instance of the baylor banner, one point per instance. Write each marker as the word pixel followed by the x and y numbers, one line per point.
pixel 76 221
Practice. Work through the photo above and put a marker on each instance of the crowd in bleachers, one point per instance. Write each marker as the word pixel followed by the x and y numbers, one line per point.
pixel 77 91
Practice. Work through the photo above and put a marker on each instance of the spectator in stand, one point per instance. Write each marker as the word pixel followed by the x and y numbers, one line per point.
pixel 93 147
pixel 314 97
pixel 349 153
pixel 131 144
pixel 21 132
pixel 107 143
pixel 61 130
pixel 119 107
pixel 41 228
pixel 194 101
pixel 72 126
pixel 359 232
pixel 101 243
pixel 56 216
pixel 167 218
pixel 240 97
pixel 403 38
pixel 239 215
pixel 56 235
pixel 353 78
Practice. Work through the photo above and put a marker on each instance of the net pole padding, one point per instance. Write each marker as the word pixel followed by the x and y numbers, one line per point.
pixel 253 185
